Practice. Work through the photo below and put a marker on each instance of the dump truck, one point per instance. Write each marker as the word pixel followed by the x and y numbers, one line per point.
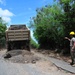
pixel 18 37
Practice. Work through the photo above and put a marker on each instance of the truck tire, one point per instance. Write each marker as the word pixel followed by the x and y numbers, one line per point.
pixel 8 46
pixel 28 45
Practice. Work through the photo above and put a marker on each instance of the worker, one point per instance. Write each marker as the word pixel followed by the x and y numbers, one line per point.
pixel 72 46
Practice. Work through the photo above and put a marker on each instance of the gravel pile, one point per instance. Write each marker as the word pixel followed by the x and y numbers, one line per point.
pixel 17 27
pixel 21 56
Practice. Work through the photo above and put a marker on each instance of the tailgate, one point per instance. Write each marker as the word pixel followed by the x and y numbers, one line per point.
pixel 16 35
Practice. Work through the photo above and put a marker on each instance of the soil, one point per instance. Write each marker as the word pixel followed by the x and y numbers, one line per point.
pixel 21 56
pixel 26 57
pixel 52 53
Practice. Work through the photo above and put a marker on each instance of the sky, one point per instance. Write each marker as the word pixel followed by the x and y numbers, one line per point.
pixel 20 11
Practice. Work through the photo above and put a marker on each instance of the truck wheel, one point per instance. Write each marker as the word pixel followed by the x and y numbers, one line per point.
pixel 28 48
pixel 28 45
pixel 8 47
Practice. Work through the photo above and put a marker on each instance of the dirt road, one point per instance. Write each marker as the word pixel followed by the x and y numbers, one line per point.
pixel 41 67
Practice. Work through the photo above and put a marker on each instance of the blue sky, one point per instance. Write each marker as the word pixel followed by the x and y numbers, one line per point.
pixel 20 11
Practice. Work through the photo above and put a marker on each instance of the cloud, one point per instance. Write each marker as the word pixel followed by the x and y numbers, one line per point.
pixel 6 19
pixel 2 2
pixel 6 15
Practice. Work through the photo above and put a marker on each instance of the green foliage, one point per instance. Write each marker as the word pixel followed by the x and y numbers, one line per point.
pixel 2 42
pixel 53 22
pixel 47 25
pixel 69 17
pixel 68 21
pixel 2 32
pixel 34 44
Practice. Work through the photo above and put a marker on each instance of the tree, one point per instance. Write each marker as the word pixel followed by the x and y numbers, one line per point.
pixel 68 21
pixel 2 32
pixel 68 7
pixel 48 29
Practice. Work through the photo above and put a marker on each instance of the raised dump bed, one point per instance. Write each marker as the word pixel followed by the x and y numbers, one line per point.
pixel 18 37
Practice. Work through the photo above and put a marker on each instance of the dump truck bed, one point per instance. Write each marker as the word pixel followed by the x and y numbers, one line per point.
pixel 15 33
pixel 18 37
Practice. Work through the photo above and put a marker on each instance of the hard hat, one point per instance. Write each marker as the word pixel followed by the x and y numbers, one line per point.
pixel 72 33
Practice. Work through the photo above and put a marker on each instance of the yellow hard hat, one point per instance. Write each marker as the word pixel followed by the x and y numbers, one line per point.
pixel 72 33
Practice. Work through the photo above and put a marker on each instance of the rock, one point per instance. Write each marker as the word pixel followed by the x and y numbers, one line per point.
pixel 33 61
pixel 26 61
pixel 7 56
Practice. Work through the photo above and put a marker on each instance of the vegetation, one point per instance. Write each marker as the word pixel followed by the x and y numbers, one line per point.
pixel 53 22
pixel 2 32
pixel 50 25
pixel 34 44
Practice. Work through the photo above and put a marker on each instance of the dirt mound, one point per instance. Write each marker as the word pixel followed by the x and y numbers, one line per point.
pixel 17 27
pixel 21 56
